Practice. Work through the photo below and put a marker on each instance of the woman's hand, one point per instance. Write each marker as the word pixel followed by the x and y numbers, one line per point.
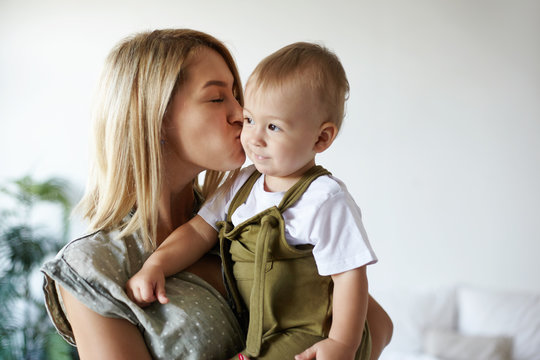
pixel 147 286
pixel 328 349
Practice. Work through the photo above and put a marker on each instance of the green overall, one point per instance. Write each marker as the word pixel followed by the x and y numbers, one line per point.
pixel 288 302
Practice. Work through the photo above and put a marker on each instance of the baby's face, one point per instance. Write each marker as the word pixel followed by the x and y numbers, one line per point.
pixel 281 128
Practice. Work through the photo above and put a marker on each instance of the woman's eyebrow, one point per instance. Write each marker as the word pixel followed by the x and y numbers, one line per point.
pixel 216 83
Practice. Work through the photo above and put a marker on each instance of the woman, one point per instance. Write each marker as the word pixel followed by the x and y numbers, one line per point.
pixel 170 108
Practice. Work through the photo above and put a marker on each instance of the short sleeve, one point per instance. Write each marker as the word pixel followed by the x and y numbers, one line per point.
pixel 93 270
pixel 328 218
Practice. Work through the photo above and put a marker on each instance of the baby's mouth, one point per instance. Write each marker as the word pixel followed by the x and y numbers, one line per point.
pixel 259 157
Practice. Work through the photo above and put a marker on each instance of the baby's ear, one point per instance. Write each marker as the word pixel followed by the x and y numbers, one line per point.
pixel 327 133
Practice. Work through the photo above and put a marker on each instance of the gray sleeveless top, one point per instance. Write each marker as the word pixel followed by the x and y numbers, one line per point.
pixel 197 323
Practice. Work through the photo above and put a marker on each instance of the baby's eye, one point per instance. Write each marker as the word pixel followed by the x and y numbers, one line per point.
pixel 273 127
pixel 249 120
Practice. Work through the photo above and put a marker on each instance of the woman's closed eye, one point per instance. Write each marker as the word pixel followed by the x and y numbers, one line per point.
pixel 217 100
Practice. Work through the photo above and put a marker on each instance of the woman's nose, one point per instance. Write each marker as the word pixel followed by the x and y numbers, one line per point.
pixel 235 116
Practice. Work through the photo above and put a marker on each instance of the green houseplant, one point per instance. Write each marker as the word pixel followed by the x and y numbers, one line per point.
pixel 25 329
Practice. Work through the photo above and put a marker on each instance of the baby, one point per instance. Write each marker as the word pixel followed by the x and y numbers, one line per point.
pixel 291 237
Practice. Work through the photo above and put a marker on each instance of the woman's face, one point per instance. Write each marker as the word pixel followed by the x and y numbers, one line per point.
pixel 204 121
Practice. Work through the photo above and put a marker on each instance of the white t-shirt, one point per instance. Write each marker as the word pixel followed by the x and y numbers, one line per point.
pixel 326 217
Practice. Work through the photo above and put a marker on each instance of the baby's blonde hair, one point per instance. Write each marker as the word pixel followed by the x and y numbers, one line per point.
pixel 311 66
pixel 140 77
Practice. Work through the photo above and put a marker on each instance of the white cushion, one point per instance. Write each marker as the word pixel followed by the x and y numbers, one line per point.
pixel 415 310
pixel 493 313
pixel 396 355
pixel 451 345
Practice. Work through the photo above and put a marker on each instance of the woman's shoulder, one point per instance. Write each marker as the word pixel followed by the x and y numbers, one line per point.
pixel 92 244
pixel 99 237
pixel 101 251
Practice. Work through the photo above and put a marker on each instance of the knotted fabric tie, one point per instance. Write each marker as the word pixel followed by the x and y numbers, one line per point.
pixel 255 328
pixel 235 303
pixel 224 228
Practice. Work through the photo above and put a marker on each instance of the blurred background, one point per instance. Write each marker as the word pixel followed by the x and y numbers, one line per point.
pixel 440 146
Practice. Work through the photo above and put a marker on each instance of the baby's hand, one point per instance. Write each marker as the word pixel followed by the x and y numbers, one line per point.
pixel 328 349
pixel 147 286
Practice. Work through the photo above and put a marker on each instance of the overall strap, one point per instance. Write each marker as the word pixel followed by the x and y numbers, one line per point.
pixel 225 227
pixel 296 191
pixel 234 299
pixel 241 195
pixel 269 224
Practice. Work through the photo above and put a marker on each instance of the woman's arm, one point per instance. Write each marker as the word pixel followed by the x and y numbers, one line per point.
pixel 184 246
pixel 99 337
pixel 181 249
pixel 380 327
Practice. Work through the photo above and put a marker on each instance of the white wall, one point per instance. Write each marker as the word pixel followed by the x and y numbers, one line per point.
pixel 440 147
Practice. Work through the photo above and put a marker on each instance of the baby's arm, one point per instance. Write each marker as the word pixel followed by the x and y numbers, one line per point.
pixel 183 247
pixel 349 316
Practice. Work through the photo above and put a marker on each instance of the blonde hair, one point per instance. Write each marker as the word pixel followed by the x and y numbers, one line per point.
pixel 140 77
pixel 311 66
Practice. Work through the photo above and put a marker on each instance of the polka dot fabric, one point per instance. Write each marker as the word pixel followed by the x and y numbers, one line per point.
pixel 196 323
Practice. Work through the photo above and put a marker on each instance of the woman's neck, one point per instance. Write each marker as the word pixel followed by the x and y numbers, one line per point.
pixel 175 208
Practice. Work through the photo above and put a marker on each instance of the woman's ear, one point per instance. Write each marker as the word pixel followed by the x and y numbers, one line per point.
pixel 327 133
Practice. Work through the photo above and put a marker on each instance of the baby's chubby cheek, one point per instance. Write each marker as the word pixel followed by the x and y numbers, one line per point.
pixel 243 141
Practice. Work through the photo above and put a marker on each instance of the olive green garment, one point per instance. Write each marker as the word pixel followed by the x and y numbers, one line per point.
pixel 289 303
